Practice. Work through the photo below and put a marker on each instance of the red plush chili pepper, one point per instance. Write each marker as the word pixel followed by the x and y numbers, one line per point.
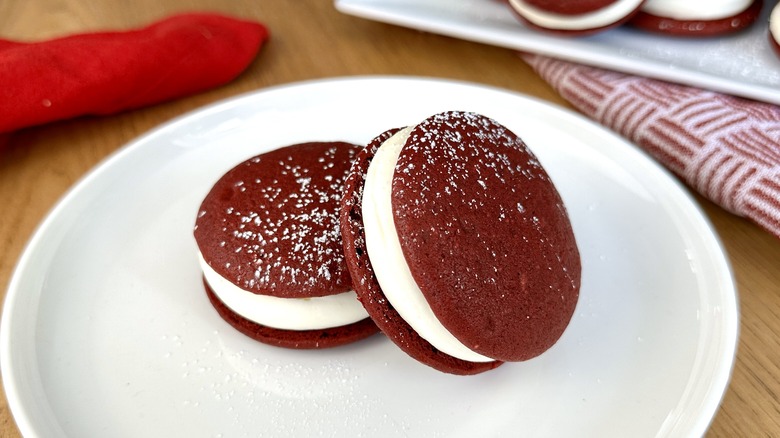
pixel 108 72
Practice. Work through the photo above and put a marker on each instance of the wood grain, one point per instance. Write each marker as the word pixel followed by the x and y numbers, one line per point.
pixel 310 39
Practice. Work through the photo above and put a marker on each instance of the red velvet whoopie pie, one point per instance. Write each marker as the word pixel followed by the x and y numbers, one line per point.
pixel 459 245
pixel 270 248
pixel 575 19
pixel 683 19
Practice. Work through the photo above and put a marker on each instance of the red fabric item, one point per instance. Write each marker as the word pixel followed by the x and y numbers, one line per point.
pixel 108 72
pixel 726 148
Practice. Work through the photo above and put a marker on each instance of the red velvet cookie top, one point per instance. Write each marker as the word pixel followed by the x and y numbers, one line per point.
pixel 270 225
pixel 486 235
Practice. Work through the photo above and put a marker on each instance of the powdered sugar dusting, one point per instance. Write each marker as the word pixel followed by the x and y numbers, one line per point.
pixel 458 170
pixel 485 233
pixel 272 222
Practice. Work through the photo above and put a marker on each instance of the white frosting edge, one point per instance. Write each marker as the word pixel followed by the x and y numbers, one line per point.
pixel 774 22
pixel 695 9
pixel 384 251
pixel 285 313
pixel 591 20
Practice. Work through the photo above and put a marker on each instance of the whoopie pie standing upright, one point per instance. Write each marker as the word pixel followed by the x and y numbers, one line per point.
pixel 459 244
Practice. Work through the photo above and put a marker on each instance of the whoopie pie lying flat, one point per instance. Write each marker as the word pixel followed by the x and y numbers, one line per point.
pixel 459 245
pixel 697 18
pixel 574 18
pixel 270 248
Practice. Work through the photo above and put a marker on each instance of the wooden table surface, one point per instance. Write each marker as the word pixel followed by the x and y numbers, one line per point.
pixel 310 39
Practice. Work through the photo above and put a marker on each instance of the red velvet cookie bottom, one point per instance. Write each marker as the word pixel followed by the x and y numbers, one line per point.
pixel 303 339
pixel 697 28
pixel 367 287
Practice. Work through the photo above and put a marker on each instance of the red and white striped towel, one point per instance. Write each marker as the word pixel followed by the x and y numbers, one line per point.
pixel 726 148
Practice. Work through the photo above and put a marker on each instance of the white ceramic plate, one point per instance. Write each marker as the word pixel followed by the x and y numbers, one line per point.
pixel 742 64
pixel 106 330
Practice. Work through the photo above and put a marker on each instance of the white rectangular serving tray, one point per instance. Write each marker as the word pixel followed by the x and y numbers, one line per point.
pixel 741 64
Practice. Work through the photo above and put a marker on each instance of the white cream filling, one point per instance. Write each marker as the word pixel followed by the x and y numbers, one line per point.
pixel 695 9
pixel 387 259
pixel 774 23
pixel 591 20
pixel 285 313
